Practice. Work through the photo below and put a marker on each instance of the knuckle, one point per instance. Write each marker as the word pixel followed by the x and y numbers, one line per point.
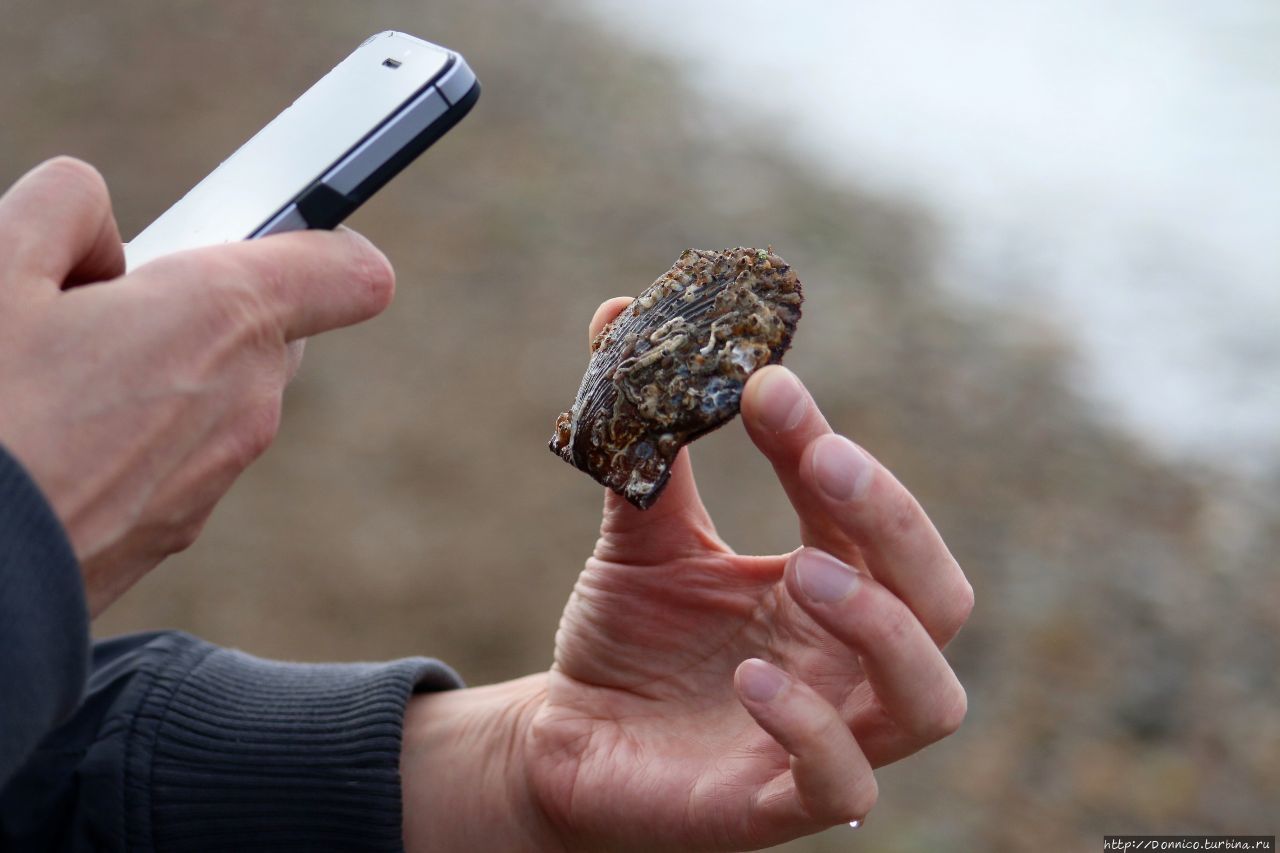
pixel 264 426
pixel 893 627
pixel 830 729
pixel 853 802
pixel 950 715
pixel 293 358
pixel 256 433
pixel 954 612
pixel 176 532
pixel 864 799
pixel 962 605
pixel 240 303
pixel 899 517
pixel 75 171
pixel 77 182
pixel 183 535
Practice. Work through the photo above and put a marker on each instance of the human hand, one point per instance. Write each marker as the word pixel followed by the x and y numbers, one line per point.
pixel 136 402
pixel 706 700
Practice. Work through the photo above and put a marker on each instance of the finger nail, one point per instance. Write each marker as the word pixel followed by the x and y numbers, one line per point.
pixel 760 682
pixel 782 401
pixel 842 470
pixel 823 578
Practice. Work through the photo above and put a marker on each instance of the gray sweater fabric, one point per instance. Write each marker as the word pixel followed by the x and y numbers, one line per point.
pixel 163 742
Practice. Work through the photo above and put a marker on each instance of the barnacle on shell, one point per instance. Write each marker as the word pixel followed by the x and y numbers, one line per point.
pixel 671 367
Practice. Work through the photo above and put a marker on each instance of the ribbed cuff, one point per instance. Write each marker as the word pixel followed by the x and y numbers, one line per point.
pixel 231 752
pixel 44 621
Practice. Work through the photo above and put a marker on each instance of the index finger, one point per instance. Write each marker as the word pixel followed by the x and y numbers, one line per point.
pixel 56 224
pixel 852 506
pixel 305 282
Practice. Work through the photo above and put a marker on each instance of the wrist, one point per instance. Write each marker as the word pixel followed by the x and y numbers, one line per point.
pixel 462 767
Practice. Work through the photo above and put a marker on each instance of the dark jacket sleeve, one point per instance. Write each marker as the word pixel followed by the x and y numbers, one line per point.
pixel 182 746
pixel 44 623
pixel 173 743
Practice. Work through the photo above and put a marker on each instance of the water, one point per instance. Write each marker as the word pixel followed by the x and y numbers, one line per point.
pixel 1112 167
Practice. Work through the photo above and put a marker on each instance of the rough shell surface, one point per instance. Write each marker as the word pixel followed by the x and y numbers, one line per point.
pixel 671 367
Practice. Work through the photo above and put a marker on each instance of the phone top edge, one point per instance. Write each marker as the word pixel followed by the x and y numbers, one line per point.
pixel 414 117
pixel 413 148
pixel 379 158
pixel 338 193
pixel 348 164
pixel 394 34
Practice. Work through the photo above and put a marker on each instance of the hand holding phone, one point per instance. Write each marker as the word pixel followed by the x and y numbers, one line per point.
pixel 134 406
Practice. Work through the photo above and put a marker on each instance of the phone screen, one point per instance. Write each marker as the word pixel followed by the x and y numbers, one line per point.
pixel 296 148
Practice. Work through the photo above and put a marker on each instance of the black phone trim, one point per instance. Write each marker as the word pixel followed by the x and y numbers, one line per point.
pixel 321 206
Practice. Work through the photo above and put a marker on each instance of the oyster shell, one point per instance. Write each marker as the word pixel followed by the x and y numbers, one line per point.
pixel 671 367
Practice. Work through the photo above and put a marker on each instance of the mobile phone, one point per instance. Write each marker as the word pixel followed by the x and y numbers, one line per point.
pixel 339 143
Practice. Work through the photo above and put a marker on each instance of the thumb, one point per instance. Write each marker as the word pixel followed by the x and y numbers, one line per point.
pixel 306 282
pixel 677 525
